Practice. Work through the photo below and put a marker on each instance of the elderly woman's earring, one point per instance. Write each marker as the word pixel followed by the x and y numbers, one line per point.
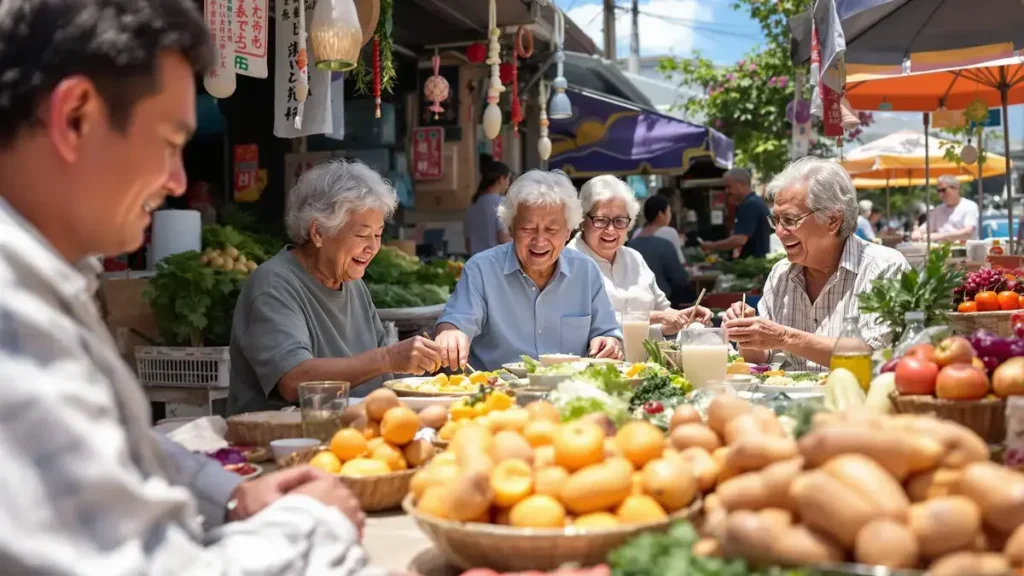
pixel 318 244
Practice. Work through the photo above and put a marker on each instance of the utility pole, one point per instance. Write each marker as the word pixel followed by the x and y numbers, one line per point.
pixel 634 39
pixel 609 30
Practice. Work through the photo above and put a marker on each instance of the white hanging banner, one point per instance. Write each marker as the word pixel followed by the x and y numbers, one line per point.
pixel 298 110
pixel 220 80
pixel 250 25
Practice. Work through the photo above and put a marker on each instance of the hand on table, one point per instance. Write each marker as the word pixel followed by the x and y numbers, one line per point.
pixel 454 348
pixel 255 495
pixel 740 310
pixel 330 492
pixel 416 355
pixel 757 333
pixel 605 347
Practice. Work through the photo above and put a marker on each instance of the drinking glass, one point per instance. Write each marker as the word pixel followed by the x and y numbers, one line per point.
pixel 635 328
pixel 705 354
pixel 323 407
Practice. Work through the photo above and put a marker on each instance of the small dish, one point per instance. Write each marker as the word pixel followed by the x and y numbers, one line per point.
pixel 517 369
pixel 553 359
pixel 285 446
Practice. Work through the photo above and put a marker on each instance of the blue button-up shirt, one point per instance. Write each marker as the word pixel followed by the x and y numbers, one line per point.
pixel 506 315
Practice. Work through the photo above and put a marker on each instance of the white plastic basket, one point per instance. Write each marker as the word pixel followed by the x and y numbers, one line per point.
pixel 183 367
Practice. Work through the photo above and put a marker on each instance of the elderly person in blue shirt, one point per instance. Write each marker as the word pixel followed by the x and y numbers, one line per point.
pixel 530 296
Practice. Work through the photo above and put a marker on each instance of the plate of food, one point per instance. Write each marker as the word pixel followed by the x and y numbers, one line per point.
pixel 440 385
pixel 791 382
pixel 246 470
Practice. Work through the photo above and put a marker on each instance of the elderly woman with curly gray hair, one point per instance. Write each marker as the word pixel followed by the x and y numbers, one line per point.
pixel 305 314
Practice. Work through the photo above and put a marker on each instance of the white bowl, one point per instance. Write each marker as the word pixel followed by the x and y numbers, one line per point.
pixel 741 382
pixel 286 446
pixel 552 359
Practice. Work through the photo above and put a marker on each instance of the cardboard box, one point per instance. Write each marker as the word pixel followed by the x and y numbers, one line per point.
pixel 128 316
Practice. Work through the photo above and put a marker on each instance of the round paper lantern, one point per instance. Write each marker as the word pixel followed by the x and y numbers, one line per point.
pixel 436 87
pixel 335 35
pixel 505 72
pixel 476 52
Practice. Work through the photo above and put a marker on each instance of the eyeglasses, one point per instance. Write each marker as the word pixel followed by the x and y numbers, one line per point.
pixel 602 222
pixel 941 190
pixel 787 223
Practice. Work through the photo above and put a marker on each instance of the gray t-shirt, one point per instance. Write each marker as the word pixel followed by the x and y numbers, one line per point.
pixel 284 317
pixel 481 223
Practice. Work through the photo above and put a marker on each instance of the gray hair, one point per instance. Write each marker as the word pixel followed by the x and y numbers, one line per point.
pixel 607 187
pixel 829 189
pixel 329 192
pixel 740 175
pixel 947 180
pixel 540 188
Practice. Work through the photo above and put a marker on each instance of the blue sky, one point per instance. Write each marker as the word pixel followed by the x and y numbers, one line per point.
pixel 678 27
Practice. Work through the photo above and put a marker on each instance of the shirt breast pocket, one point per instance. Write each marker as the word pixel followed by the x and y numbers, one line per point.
pixel 575 334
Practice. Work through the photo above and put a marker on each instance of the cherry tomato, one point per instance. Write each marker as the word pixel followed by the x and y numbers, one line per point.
pixel 1008 300
pixel 967 307
pixel 987 301
pixel 653 407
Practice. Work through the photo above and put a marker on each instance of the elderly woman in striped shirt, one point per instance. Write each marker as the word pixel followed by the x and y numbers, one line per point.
pixel 808 294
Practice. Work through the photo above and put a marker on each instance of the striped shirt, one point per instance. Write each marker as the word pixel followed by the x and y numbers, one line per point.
pixel 786 302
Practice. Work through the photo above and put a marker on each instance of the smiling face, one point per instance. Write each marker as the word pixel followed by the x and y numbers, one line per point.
pixel 538 234
pixel 813 241
pixel 347 253
pixel 736 191
pixel 605 241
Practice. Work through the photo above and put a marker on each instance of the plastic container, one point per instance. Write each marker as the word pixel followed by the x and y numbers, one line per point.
pixel 183 367
pixel 915 326
pixel 853 352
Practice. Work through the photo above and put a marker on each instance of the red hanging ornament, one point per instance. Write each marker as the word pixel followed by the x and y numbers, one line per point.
pixel 505 72
pixel 523 49
pixel 476 52
pixel 376 75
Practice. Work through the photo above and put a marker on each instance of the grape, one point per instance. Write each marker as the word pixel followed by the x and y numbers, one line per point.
pixel 1012 285
pixel 991 363
pixel 1000 348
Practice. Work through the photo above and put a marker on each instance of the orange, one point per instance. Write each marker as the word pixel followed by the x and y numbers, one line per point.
pixel 511 419
pixel 578 444
pixel 640 510
pixel 364 467
pixel 967 307
pixel 326 461
pixel 1008 300
pixel 540 432
pixel 379 401
pixel 372 444
pixel 447 431
pixel 987 301
pixel 543 456
pixel 537 511
pixel 597 520
pixel 541 410
pixel 611 449
pixel 444 474
pixel 638 483
pixel 390 455
pixel 400 425
pixel 549 480
pixel 371 429
pixel 670 481
pixel 511 481
pixel 640 442
pixel 434 502
pixel 348 443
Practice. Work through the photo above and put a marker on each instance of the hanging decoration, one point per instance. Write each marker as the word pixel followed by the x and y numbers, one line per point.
pixel 380 75
pixel 543 143
pixel 492 114
pixel 335 35
pixel 561 108
pixel 436 87
pixel 476 52
pixel 523 49
pixel 220 79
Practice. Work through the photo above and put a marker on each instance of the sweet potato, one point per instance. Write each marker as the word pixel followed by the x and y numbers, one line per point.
pixel 944 525
pixel 744 425
pixel 900 453
pixel 871 482
pixel 715 515
pixel 800 545
pixel 777 479
pixel 885 542
pixel 723 409
pixel 962 446
pixel 755 452
pixel 933 484
pixel 1014 549
pixel 769 421
pixel 704 467
pixel 778 519
pixel 722 457
pixel 998 491
pixel 828 505
pixel 744 492
pixel 689 435
pixel 748 535
pixel 972 563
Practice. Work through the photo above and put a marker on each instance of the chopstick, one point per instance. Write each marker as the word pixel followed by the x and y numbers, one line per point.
pixel 697 303
pixel 468 369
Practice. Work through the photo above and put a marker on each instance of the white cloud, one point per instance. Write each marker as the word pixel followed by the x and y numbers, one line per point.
pixel 657 35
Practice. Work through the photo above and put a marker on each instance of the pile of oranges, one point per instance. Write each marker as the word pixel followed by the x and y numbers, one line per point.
pixel 522 467
pixel 380 439
pixel 482 408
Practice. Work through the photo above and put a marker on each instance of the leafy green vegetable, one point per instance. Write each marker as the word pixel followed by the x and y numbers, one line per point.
pixel 607 377
pixel 396 296
pixel 531 365
pixel 575 399
pixel 656 387
pixel 256 247
pixel 397 280
pixel 892 298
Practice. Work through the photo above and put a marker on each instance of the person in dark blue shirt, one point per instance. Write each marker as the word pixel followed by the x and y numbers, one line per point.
pixel 750 233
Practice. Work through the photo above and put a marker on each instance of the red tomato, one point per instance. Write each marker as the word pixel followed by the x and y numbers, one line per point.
pixel 916 376
pixel 961 382
pixel 967 307
pixel 987 301
pixel 1008 300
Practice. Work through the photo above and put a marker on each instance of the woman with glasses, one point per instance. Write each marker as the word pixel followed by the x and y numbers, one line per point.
pixel 610 209
pixel 530 296
pixel 808 294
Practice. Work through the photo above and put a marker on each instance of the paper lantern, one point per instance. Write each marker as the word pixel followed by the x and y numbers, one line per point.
pixel 560 108
pixel 335 35
pixel 476 52
pixel 436 87
pixel 505 72
pixel 492 114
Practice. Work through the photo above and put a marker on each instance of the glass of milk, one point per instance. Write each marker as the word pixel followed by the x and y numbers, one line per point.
pixel 636 327
pixel 705 353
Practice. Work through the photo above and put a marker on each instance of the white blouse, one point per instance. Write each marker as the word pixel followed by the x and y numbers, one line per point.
pixel 628 280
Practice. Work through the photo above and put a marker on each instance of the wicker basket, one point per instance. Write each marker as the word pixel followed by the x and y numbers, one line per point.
pixel 379 493
pixel 986 417
pixel 996 322
pixel 261 428
pixel 507 549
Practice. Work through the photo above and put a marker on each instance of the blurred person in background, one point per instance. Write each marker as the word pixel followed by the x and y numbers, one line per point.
pixel 955 218
pixel 750 232
pixel 481 225
pixel 659 255
pixel 865 229
pixel 660 223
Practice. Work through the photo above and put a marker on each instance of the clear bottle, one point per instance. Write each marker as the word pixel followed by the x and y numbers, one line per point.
pixel 915 325
pixel 853 352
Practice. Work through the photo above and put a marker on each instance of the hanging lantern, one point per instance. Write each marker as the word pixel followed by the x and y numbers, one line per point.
pixel 543 143
pixel 492 114
pixel 561 108
pixel 523 49
pixel 476 52
pixel 505 72
pixel 435 88
pixel 335 35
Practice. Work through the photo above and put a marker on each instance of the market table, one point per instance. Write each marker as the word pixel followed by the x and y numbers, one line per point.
pixel 393 541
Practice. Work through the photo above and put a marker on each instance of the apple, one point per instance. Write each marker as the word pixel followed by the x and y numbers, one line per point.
pixel 954 350
pixel 924 351
pixel 979 364
pixel 1008 378
pixel 961 382
pixel 916 375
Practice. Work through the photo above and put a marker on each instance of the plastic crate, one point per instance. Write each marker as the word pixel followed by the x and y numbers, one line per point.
pixel 183 367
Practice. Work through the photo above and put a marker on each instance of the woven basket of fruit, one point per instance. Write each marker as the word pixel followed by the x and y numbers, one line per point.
pixel 262 428
pixel 510 549
pixel 998 323
pixel 985 417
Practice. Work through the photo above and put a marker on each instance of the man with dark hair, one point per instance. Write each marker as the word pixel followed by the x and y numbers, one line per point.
pixel 97 101
pixel 750 234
